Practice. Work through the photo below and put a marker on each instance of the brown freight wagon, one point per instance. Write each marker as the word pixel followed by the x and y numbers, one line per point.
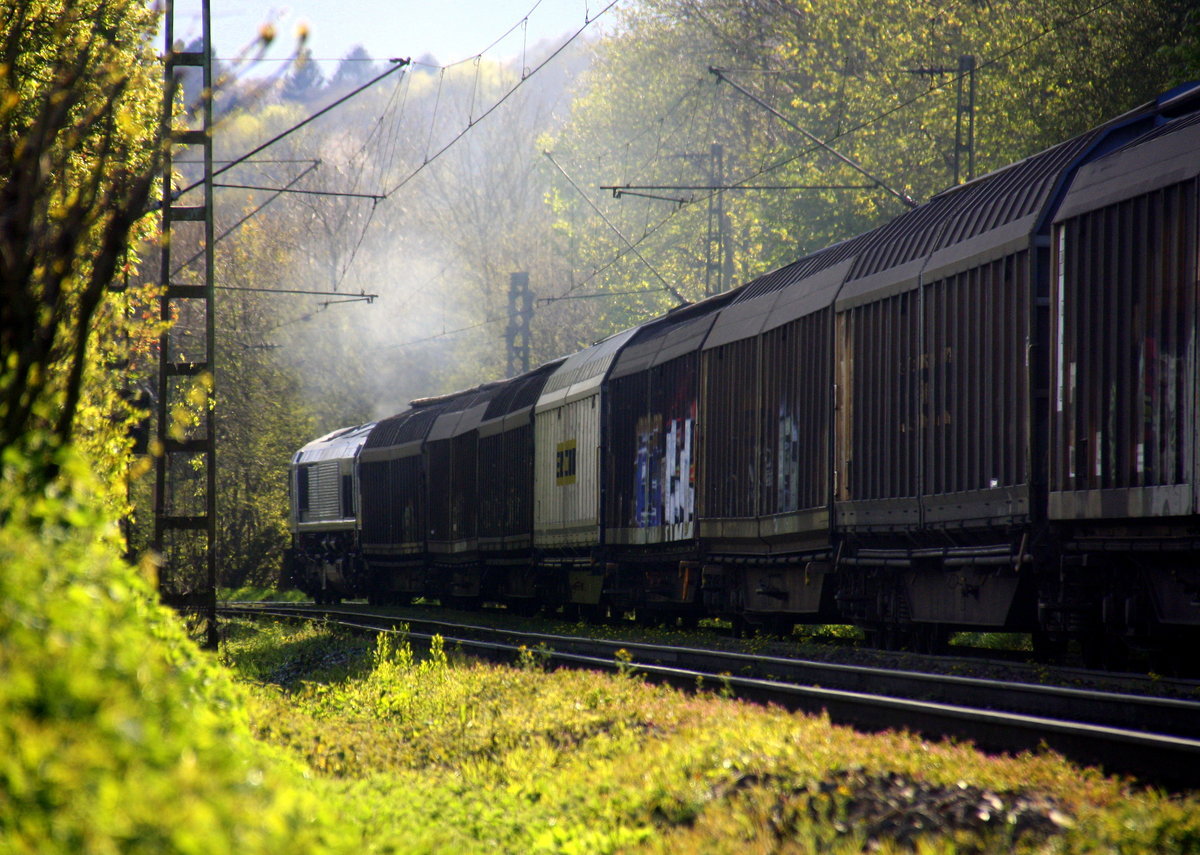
pixel 452 459
pixel 651 463
pixel 395 501
pixel 1124 469
pixel 505 486
pixel 766 430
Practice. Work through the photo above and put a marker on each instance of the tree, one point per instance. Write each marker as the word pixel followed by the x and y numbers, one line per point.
pixel 80 103
pixel 843 72
pixel 353 70
pixel 305 82
pixel 262 416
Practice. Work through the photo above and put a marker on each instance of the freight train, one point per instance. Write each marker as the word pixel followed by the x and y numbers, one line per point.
pixel 981 415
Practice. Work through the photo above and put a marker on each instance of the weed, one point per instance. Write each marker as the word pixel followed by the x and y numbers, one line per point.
pixel 534 659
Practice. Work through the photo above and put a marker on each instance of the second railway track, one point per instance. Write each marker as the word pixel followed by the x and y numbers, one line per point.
pixel 1156 739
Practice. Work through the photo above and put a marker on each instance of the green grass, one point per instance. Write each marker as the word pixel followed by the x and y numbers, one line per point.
pixel 1019 641
pixel 253 594
pixel 440 753
pixel 118 735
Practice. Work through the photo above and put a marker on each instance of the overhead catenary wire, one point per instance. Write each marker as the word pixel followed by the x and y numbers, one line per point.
pixel 276 194
pixel 396 65
pixel 595 296
pixel 358 243
pixel 392 145
pixel 667 286
pixel 445 333
pixel 866 123
pixel 429 159
pixel 503 98
pixel 817 141
pixel 362 295
pixel 299 192
pixel 377 129
pixel 951 81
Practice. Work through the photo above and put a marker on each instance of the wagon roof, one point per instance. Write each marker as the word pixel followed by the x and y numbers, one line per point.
pixel 1166 155
pixel 676 334
pixel 464 413
pixel 582 373
pixel 521 392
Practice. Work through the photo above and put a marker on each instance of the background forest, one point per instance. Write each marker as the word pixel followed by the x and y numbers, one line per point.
pixel 740 135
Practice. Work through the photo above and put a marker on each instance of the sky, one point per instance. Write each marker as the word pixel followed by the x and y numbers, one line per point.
pixel 449 30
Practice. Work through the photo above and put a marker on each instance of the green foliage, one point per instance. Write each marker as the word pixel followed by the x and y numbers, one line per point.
pixel 116 733
pixel 263 413
pixel 993 640
pixel 431 754
pixel 648 112
pixel 254 593
pixel 535 658
pixel 624 662
pixel 80 97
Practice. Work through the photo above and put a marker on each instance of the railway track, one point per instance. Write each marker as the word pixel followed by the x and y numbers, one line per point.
pixel 1153 738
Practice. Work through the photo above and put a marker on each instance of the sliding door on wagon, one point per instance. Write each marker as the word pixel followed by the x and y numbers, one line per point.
pixel 650 475
pixel 505 484
pixel 568 534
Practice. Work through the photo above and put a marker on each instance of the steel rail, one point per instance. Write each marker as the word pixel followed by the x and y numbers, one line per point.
pixel 1156 739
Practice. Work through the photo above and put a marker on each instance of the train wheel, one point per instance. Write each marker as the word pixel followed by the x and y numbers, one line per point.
pixel 523 606
pixel 1104 651
pixel 648 618
pixel 894 637
pixel 1048 646
pixel 593 613
pixel 931 638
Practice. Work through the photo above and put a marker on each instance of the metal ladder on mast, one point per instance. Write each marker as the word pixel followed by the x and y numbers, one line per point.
pixel 185 480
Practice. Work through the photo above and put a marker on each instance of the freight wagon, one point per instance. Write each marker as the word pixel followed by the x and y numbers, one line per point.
pixel 981 415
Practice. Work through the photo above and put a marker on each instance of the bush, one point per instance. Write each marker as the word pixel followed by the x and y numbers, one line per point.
pixel 116 732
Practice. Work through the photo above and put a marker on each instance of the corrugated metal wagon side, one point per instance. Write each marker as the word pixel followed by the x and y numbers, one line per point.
pixel 395 503
pixel 767 381
pixel 1124 466
pixel 940 341
pixel 506 461
pixel 651 465
pixel 568 444
pixel 451 458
